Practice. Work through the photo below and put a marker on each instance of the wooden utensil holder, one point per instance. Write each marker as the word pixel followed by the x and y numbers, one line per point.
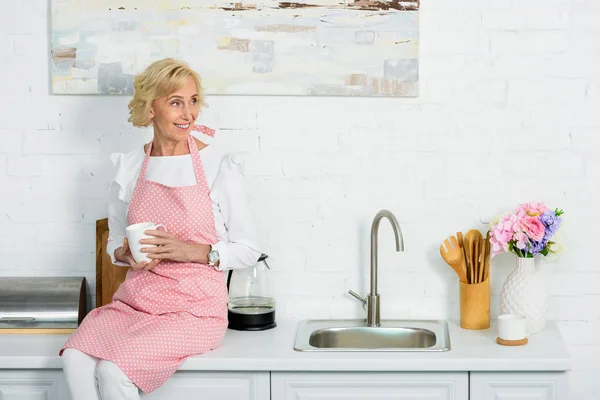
pixel 475 305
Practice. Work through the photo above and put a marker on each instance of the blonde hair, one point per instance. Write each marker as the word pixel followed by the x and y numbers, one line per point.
pixel 161 78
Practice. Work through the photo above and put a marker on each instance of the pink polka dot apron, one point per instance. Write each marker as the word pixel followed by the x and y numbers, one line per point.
pixel 159 318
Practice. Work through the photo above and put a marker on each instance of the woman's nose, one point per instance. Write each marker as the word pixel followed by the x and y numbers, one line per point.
pixel 187 113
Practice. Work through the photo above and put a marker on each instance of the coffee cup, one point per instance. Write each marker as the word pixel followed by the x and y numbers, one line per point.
pixel 135 233
pixel 512 327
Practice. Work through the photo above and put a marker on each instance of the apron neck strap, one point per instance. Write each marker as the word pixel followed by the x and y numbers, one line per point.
pixel 198 170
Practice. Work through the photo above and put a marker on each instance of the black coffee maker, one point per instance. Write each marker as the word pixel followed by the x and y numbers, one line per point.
pixel 251 306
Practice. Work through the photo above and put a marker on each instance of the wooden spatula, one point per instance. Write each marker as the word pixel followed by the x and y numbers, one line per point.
pixel 452 254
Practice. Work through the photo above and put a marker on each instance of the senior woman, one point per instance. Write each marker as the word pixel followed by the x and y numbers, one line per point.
pixel 176 305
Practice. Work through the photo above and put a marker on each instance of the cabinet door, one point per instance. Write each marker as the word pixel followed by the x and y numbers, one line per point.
pixel 369 386
pixel 190 385
pixel 519 386
pixel 32 385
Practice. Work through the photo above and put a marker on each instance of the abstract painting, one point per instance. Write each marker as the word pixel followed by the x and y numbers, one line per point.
pixel 316 48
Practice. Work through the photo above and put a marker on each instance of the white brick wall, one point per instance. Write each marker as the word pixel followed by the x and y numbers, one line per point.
pixel 508 113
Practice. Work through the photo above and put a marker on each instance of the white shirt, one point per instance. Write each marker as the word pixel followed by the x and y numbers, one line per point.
pixel 237 242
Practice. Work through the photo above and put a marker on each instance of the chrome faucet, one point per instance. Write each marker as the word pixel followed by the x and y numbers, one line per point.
pixel 372 300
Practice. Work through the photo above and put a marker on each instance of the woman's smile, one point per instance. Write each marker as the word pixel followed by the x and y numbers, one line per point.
pixel 183 127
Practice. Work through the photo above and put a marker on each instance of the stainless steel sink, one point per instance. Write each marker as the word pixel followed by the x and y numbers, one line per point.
pixel 355 335
pixel 373 334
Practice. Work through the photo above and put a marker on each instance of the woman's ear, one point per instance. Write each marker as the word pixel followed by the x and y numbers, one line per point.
pixel 151 113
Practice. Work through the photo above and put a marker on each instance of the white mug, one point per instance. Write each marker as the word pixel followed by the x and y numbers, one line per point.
pixel 512 327
pixel 135 233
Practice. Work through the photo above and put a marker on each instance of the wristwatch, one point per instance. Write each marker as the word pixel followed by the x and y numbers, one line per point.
pixel 213 257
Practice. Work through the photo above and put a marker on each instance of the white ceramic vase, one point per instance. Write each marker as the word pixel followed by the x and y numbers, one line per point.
pixel 524 293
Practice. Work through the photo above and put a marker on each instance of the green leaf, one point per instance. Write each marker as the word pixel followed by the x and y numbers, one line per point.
pixel 512 248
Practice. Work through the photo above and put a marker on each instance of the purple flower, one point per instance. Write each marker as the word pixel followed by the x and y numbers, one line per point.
pixel 552 222
pixel 537 247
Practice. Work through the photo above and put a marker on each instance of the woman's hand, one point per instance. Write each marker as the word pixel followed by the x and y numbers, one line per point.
pixel 124 255
pixel 169 247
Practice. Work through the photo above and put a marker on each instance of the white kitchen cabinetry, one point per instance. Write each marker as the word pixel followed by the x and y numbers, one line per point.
pixel 369 386
pixel 183 385
pixel 32 385
pixel 191 385
pixel 519 386
pixel 42 384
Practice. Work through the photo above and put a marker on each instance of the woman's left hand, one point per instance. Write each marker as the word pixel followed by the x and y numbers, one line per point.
pixel 169 247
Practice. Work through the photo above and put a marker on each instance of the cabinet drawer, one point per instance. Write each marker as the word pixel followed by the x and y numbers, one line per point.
pixel 369 386
pixel 189 385
pixel 32 385
pixel 517 386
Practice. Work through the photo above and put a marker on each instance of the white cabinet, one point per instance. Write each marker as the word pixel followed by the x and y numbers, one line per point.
pixel 183 385
pixel 519 386
pixel 369 386
pixel 190 385
pixel 32 385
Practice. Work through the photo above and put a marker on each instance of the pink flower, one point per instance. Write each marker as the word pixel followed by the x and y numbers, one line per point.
pixel 533 228
pixel 502 233
pixel 532 209
pixel 496 248
pixel 502 236
pixel 522 240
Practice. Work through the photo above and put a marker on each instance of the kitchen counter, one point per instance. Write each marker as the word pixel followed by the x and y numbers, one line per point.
pixel 273 350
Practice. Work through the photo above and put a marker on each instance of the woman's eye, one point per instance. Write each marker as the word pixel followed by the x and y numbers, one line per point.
pixel 194 101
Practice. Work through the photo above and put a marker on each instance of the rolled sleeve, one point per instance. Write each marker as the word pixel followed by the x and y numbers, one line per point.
pixel 223 249
pixel 240 249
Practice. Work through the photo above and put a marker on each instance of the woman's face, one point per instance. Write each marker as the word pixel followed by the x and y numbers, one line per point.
pixel 174 115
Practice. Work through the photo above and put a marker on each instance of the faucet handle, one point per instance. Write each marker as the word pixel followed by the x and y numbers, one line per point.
pixel 354 294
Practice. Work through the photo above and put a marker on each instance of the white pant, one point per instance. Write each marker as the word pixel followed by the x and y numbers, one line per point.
pixel 90 378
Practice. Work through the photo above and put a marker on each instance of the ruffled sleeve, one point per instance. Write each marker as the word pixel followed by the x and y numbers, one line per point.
pixel 127 168
pixel 125 173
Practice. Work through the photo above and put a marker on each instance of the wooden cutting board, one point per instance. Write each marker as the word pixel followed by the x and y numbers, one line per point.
pixel 108 276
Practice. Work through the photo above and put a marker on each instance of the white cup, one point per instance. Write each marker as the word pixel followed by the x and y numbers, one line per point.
pixel 512 327
pixel 135 233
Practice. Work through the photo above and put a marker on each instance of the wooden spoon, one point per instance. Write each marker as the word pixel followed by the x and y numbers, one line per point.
pixel 476 256
pixel 471 237
pixel 452 254
pixel 467 255
pixel 461 244
pixel 486 261
pixel 482 260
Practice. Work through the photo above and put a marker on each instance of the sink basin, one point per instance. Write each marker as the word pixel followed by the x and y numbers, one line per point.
pixel 355 335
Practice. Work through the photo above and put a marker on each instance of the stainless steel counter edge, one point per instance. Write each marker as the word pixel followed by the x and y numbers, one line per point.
pixel 273 350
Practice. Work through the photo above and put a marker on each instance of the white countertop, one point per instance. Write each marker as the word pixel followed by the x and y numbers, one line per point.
pixel 273 350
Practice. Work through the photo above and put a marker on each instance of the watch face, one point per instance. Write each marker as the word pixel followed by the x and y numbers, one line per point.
pixel 213 256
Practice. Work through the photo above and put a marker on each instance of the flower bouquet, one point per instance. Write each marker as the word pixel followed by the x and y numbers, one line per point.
pixel 526 232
